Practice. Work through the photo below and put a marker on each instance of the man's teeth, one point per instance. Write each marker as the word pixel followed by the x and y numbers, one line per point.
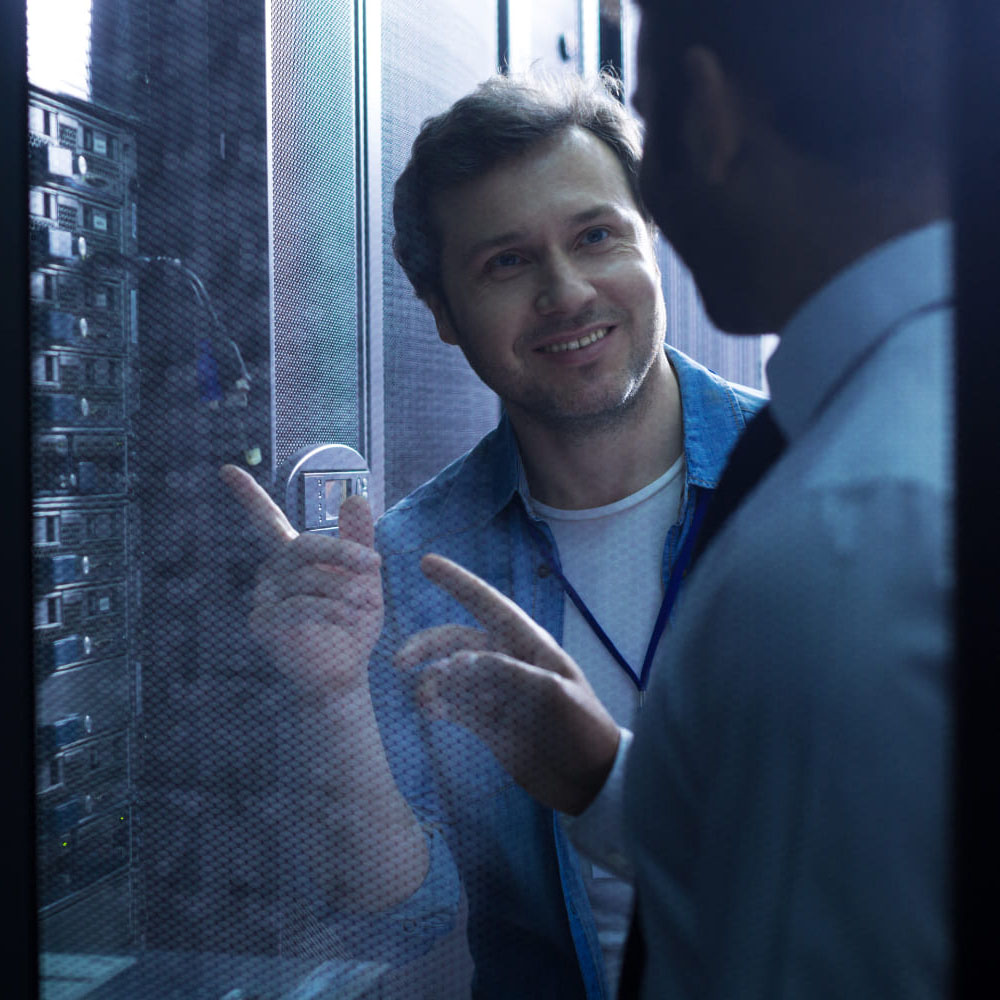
pixel 575 345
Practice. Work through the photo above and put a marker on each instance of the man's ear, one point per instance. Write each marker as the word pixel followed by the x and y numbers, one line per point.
pixel 713 129
pixel 442 319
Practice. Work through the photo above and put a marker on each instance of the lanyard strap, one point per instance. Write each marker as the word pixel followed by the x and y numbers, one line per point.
pixel 666 605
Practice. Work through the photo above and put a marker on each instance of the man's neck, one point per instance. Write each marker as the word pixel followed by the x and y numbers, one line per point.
pixel 829 231
pixel 575 469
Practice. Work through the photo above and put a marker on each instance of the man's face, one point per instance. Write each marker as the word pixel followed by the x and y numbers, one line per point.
pixel 698 217
pixel 551 283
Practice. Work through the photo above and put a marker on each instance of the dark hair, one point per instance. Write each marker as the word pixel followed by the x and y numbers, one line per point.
pixel 499 121
pixel 845 80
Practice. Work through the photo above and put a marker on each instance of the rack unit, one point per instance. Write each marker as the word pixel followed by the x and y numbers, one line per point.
pixel 83 333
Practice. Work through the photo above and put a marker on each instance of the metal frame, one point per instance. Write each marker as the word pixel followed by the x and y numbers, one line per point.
pixel 369 102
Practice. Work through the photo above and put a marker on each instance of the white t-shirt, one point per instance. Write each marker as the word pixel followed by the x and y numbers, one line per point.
pixel 613 557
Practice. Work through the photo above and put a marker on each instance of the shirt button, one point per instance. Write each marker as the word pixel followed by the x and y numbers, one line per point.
pixel 544 570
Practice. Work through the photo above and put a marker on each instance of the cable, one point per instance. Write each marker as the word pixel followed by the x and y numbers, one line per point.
pixel 237 398
pixel 204 299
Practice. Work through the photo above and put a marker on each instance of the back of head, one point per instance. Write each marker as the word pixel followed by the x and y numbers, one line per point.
pixel 847 81
pixel 500 121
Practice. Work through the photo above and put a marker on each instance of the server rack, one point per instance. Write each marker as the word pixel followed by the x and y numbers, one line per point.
pixel 83 226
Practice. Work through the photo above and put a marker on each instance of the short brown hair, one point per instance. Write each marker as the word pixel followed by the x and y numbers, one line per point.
pixel 499 121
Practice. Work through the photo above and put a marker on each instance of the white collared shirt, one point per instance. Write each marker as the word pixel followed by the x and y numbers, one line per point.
pixel 786 796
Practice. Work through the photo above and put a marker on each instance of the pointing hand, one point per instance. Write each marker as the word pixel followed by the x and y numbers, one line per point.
pixel 513 686
pixel 317 606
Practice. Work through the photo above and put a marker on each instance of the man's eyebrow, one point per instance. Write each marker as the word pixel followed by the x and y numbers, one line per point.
pixel 597 212
pixel 493 242
pixel 515 236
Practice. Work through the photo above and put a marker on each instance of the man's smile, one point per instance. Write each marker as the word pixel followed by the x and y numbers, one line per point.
pixel 574 345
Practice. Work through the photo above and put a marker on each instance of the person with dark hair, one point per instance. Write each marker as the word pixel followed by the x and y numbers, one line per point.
pixel 519 222
pixel 786 805
pixel 502 120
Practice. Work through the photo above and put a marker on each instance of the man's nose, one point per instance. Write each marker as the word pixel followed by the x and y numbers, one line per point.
pixel 565 287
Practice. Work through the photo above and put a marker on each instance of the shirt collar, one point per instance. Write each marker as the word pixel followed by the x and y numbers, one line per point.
pixel 713 421
pixel 833 329
pixel 713 418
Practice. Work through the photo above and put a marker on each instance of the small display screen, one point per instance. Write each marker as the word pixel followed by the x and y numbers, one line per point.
pixel 335 493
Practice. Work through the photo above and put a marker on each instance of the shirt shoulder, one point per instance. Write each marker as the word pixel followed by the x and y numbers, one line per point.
pixel 715 413
pixel 465 494
pixel 694 377
pixel 857 509
pixel 892 423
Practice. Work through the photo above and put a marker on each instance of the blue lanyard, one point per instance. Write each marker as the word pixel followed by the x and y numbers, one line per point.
pixel 666 605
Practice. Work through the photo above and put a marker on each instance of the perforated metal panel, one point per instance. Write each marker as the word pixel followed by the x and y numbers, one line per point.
pixel 317 324
pixel 436 408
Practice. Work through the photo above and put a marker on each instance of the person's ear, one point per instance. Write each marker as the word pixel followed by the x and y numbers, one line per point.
pixel 442 319
pixel 713 120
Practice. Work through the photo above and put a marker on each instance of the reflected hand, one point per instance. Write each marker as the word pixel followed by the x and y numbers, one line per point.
pixel 512 685
pixel 317 606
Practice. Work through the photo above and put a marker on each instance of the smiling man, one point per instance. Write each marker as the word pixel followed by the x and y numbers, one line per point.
pixel 519 223
pixel 550 287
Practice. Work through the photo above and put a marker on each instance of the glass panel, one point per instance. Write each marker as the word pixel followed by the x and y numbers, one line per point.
pixel 212 282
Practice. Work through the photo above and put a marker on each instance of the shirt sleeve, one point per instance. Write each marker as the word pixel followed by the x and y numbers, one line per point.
pixel 420 924
pixel 599 831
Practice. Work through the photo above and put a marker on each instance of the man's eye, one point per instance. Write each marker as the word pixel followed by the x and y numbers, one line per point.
pixel 596 235
pixel 503 260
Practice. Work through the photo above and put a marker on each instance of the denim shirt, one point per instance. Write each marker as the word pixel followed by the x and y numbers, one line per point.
pixel 530 928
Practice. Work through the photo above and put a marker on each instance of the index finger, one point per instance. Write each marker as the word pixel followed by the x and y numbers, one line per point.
pixel 265 515
pixel 515 631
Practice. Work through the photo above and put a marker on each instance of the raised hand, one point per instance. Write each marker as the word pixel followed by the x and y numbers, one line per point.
pixel 317 606
pixel 513 686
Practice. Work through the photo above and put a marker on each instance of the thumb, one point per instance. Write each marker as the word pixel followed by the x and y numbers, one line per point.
pixel 356 523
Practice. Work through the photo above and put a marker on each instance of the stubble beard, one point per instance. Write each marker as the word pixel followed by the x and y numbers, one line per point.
pixel 615 407
pixel 616 411
pixel 560 411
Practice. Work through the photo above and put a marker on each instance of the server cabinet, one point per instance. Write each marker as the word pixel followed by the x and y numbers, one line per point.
pixel 82 215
